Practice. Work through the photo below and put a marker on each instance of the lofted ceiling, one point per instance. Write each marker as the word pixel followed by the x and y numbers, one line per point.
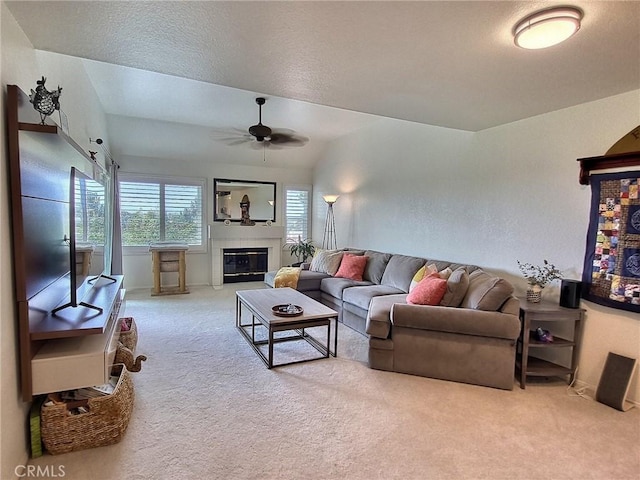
pixel 175 76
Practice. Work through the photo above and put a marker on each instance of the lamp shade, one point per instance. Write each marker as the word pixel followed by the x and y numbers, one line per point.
pixel 547 27
pixel 330 199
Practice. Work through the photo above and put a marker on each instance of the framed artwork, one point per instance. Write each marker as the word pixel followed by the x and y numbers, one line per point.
pixel 611 273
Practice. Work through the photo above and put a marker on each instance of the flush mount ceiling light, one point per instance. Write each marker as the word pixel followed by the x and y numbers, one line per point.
pixel 547 28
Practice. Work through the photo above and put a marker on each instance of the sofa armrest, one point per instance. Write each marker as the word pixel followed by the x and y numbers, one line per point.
pixel 379 315
pixel 464 321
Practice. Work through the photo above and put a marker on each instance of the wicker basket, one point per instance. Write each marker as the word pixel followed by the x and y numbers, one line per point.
pixel 129 338
pixel 104 423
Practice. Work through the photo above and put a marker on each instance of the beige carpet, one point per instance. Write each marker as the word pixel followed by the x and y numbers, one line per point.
pixel 207 408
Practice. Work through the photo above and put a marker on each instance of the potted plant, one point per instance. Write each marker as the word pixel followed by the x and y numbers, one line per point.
pixel 538 277
pixel 302 250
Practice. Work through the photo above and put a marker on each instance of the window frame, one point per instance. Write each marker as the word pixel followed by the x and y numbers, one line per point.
pixel 170 180
pixel 300 187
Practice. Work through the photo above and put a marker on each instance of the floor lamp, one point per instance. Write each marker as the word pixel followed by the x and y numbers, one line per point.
pixel 329 238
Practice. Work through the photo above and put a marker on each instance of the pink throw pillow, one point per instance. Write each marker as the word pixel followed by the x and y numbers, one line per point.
pixel 352 266
pixel 429 291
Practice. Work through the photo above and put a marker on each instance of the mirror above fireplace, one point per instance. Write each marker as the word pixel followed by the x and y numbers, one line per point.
pixel 228 194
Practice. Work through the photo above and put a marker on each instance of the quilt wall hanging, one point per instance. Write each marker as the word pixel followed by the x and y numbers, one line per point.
pixel 611 273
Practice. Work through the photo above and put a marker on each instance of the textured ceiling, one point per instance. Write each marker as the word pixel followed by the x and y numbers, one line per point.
pixel 450 64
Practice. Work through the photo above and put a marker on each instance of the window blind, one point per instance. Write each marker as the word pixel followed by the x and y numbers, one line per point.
pixel 297 213
pixel 161 210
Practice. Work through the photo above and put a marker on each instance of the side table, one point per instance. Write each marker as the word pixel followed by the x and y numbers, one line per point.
pixel 169 257
pixel 547 315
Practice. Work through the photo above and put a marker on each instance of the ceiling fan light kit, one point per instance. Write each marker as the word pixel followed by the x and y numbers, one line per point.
pixel 547 27
pixel 260 131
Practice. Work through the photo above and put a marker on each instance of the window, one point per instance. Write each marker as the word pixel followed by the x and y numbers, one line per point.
pixel 89 212
pixel 156 209
pixel 297 212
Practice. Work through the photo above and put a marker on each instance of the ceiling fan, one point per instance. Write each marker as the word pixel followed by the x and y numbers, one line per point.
pixel 261 136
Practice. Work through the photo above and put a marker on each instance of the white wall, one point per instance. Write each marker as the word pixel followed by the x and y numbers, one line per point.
pixel 137 267
pixel 18 62
pixel 23 66
pixel 490 198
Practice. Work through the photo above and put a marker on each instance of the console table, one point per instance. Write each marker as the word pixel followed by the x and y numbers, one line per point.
pixel 547 315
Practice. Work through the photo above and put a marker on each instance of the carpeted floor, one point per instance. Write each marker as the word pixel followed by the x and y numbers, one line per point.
pixel 207 408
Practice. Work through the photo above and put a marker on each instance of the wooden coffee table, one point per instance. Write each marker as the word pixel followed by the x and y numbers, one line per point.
pixel 260 302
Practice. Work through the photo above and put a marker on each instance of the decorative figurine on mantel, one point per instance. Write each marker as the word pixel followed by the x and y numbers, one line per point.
pixel 44 101
pixel 244 205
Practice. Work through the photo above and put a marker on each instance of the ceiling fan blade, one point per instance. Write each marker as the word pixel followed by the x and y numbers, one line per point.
pixel 228 132
pixel 289 140
pixel 238 141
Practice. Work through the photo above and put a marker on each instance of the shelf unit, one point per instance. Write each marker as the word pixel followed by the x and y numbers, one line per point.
pixel 169 257
pixel 551 317
pixel 618 160
pixel 66 363
pixel 40 161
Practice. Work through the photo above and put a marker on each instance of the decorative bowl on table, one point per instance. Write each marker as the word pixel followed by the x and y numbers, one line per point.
pixel 287 310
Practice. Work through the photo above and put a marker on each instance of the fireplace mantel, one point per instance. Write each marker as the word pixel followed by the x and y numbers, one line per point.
pixel 236 231
pixel 236 236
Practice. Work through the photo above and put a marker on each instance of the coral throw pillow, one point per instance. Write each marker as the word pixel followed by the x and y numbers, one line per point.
pixel 429 291
pixel 352 266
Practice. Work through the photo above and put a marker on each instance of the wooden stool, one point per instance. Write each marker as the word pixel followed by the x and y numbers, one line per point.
pixel 83 259
pixel 169 257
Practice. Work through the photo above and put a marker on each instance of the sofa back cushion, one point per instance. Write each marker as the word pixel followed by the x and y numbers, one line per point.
pixel 486 292
pixel 326 261
pixel 353 251
pixel 442 264
pixel 375 266
pixel 400 271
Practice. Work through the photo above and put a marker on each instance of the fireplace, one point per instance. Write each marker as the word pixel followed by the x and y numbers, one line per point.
pixel 236 236
pixel 244 264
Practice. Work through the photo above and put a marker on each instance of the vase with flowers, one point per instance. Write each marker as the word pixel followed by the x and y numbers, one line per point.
pixel 538 276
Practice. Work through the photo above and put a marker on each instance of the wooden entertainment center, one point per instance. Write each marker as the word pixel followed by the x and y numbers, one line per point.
pixel 73 347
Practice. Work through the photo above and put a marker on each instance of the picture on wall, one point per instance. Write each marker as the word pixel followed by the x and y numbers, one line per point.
pixel 611 274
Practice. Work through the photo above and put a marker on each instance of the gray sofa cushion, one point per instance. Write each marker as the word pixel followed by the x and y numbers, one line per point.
pixel 308 280
pixel 400 270
pixel 335 285
pixel 361 296
pixel 486 292
pixel 375 266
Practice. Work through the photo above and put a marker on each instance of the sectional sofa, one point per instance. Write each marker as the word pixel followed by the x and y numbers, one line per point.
pixel 470 336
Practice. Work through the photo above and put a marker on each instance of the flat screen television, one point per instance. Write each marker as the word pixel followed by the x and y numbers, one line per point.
pixel 87 239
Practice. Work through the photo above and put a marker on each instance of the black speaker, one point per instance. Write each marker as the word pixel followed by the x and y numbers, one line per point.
pixel 570 293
